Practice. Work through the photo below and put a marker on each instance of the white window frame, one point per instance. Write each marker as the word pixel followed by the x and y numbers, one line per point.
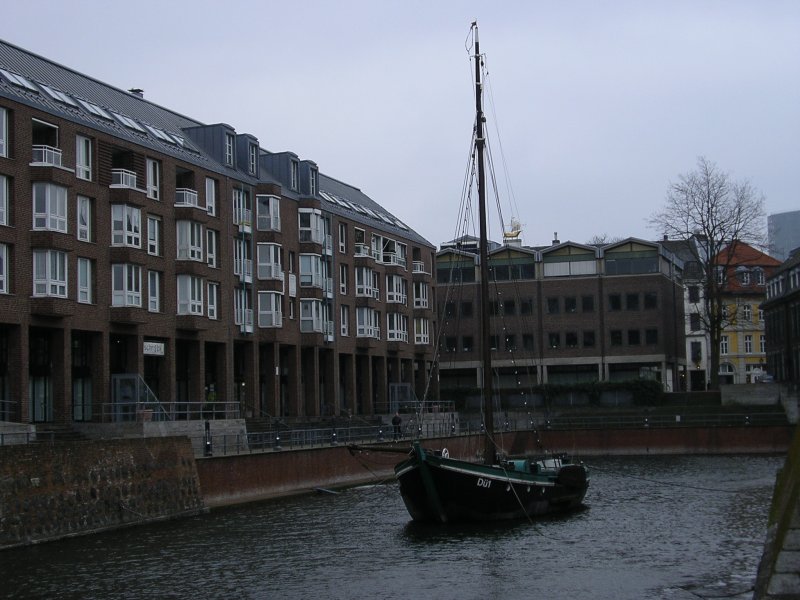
pixel 153 179
pixel 310 270
pixel 84 280
pixel 269 310
pixel 211 196
pixel 344 320
pixel 126 285
pixel 313 181
pixel 268 257
pixel 252 158
pixel 242 214
pixel 396 327
pixel 4 145
pixel 364 277
pixel 268 213
pixel 49 207
pixel 723 344
pixel 294 170
pixel 190 295
pixel 4 269
pixel 213 300
pixel 154 235
pixel 314 230
pixel 4 187
pixel 242 261
pixel 421 294
pixel 126 226
pixel 747 312
pixel 50 273
pixel 748 344
pixel 83 216
pixel 343 279
pixel 367 322
pixel 421 331
pixel 229 149
pixel 189 237
pixel 311 316
pixel 396 289
pixel 762 343
pixel 211 248
pixel 83 157
pixel 154 291
pixel 343 238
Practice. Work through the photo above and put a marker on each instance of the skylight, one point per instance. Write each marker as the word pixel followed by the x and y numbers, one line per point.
pixel 58 96
pixel 162 135
pixel 19 81
pixel 95 110
pixel 128 122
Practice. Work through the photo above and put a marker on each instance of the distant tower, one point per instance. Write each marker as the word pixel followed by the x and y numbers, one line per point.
pixel 783 230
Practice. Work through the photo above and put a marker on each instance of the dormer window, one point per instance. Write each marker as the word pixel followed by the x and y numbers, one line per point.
pixel 229 144
pixel 293 166
pixel 253 159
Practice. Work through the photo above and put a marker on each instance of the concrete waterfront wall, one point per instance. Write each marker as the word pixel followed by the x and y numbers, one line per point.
pixel 53 491
pixel 245 478
pixel 779 570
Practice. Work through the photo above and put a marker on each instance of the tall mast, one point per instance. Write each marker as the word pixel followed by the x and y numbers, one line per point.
pixel 486 374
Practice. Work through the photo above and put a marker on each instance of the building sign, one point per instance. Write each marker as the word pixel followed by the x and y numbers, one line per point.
pixel 153 348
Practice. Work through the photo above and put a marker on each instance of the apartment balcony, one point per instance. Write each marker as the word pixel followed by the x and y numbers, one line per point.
pixel 390 259
pixel 328 287
pixel 128 315
pixel 270 319
pixel 421 303
pixel 422 339
pixel 327 245
pixel 244 319
pixel 51 306
pixel 268 223
pixel 418 266
pixel 243 269
pixel 186 197
pixel 243 219
pixel 363 254
pixel 46 156
pixel 396 298
pixel 191 322
pixel 122 178
pixel 270 271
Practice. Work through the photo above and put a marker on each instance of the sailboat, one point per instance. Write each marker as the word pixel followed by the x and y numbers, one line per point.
pixel 436 487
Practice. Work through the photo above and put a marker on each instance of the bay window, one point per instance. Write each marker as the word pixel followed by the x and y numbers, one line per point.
pixel 190 295
pixel 269 309
pixel 49 207
pixel 126 226
pixel 190 240
pixel 268 213
pixel 50 273
pixel 126 285
pixel 269 261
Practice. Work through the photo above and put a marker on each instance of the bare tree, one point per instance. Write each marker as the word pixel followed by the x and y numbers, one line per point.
pixel 711 212
pixel 602 239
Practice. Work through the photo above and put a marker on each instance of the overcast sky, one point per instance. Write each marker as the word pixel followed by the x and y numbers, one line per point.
pixel 600 104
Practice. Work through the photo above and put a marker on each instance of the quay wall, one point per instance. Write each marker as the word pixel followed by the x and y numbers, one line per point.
pixel 779 569
pixel 51 491
pixel 227 480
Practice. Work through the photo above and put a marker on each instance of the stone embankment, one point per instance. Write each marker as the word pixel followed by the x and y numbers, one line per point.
pixel 51 491
pixel 779 571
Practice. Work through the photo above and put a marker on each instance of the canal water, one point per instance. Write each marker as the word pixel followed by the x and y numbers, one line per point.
pixel 653 527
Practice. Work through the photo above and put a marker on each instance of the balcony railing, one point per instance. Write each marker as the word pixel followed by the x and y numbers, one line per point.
pixel 269 223
pixel 420 303
pixel 419 267
pixel 396 297
pixel 122 178
pixel 363 250
pixel 368 331
pixel 46 155
pixel 185 197
pixel 270 318
pixel 243 267
pixel 243 217
pixel 270 271
pixel 244 318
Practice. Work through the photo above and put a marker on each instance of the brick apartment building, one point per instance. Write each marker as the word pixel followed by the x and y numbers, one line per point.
pixel 563 314
pixel 146 257
pixel 782 316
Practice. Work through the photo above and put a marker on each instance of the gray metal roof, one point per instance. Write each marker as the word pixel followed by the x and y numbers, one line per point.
pixel 38 70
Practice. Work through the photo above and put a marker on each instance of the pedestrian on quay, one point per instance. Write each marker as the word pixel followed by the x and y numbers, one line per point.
pixel 396 421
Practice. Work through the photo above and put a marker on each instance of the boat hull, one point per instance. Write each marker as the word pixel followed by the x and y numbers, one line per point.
pixel 442 489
